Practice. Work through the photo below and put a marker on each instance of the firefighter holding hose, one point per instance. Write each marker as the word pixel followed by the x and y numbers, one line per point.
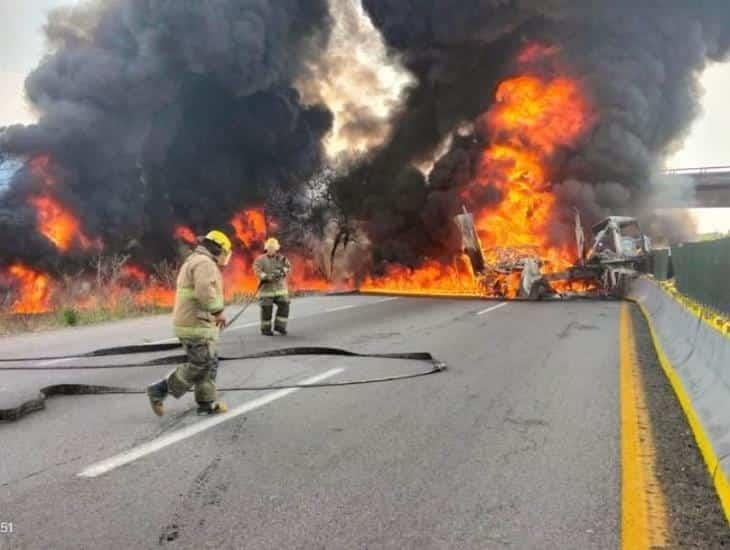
pixel 198 319
pixel 272 269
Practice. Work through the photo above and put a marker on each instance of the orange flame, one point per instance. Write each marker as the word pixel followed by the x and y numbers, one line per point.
pixel 144 290
pixel 533 117
pixel 239 278
pixel 536 52
pixel 185 234
pixel 134 273
pixel 250 226
pixel 135 285
pixel 305 275
pixel 432 278
pixel 58 225
pixel 155 295
pixel 34 290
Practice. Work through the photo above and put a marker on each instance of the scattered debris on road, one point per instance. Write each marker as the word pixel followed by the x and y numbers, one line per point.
pixel 619 251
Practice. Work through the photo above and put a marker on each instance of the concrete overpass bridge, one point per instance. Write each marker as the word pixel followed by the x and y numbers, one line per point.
pixel 702 187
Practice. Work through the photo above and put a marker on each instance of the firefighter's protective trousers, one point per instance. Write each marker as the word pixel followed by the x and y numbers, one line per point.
pixel 199 372
pixel 267 312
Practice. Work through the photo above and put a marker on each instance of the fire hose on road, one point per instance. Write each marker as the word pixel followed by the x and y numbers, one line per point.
pixel 38 403
pixel 120 350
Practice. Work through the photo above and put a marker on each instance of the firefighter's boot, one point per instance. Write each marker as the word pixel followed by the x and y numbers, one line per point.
pixel 212 407
pixel 282 316
pixel 157 393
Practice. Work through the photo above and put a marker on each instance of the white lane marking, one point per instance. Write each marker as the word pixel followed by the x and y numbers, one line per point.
pixel 387 300
pixel 337 309
pixel 482 312
pixel 55 362
pixel 155 445
pixel 354 305
pixel 256 323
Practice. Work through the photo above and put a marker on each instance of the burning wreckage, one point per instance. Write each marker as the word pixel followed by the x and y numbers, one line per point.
pixel 523 119
pixel 619 251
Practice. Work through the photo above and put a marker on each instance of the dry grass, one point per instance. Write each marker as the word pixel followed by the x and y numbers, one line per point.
pixel 93 295
pixel 15 323
pixel 97 294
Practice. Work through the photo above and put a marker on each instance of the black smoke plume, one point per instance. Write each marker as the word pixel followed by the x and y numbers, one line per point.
pixel 164 112
pixel 159 112
pixel 639 63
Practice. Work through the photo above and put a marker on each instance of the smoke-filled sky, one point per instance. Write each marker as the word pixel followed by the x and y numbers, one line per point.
pixel 707 144
pixel 21 46
pixel 164 113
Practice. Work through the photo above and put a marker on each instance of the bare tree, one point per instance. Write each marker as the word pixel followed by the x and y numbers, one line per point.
pixel 312 220
pixel 108 268
pixel 165 273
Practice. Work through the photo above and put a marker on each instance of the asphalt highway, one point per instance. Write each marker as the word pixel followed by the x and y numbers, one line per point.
pixel 516 445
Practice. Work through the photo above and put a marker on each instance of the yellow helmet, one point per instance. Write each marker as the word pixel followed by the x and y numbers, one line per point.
pixel 221 239
pixel 272 245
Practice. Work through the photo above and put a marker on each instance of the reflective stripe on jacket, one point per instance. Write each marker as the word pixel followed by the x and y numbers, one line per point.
pixel 272 272
pixel 198 297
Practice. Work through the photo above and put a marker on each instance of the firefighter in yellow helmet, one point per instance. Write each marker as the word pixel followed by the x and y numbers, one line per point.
pixel 272 270
pixel 198 319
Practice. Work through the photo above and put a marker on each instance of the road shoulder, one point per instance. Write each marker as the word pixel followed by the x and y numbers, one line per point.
pixel 694 515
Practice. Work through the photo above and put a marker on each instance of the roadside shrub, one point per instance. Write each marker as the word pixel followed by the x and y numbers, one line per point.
pixel 70 317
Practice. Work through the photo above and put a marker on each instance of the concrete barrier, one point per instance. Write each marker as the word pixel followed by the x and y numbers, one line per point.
pixel 695 356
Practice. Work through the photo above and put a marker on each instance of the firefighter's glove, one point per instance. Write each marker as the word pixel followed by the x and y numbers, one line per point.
pixel 220 321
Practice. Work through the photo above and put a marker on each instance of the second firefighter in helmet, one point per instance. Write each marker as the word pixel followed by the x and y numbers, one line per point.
pixel 272 269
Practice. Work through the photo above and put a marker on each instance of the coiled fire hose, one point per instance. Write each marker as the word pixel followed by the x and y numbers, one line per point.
pixel 120 350
pixel 38 403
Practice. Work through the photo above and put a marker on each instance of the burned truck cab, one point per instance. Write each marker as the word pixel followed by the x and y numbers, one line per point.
pixel 619 241
pixel 620 251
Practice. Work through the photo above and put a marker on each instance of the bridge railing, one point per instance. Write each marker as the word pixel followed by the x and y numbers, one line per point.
pixel 699 171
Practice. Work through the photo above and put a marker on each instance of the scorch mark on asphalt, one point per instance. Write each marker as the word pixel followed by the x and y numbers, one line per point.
pixel 155 445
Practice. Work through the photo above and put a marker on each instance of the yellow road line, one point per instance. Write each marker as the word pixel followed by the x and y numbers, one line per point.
pixel 643 513
pixel 722 484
